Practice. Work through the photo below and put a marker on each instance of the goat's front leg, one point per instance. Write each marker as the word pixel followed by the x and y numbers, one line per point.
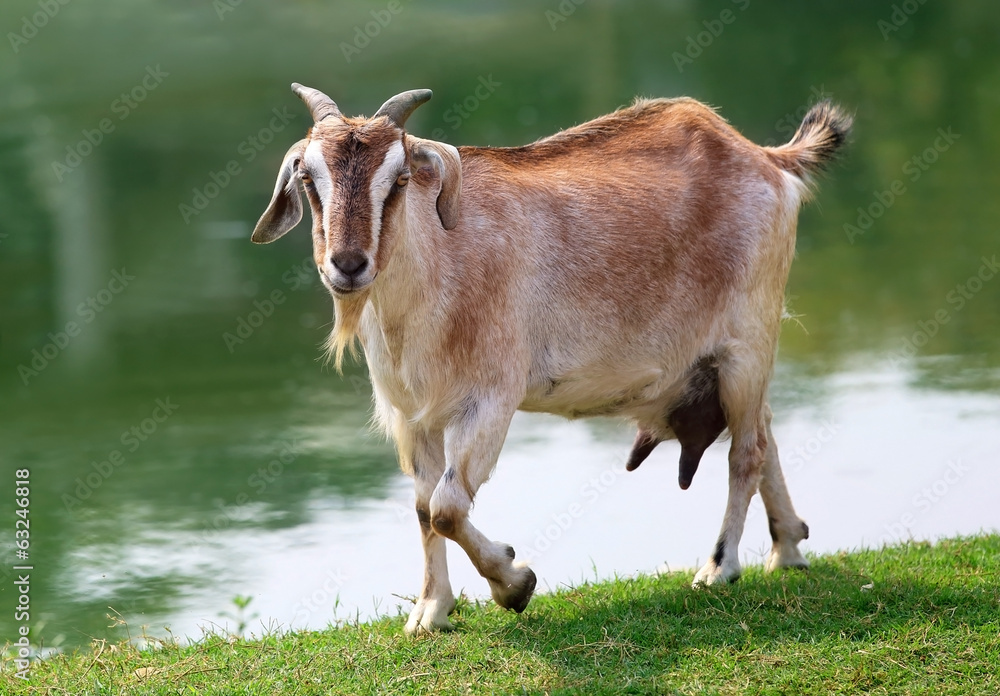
pixel 472 445
pixel 436 599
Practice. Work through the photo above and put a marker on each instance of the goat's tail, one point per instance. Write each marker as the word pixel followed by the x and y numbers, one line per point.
pixel 822 133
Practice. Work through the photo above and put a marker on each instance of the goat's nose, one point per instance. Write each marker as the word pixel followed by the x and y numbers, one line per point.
pixel 350 263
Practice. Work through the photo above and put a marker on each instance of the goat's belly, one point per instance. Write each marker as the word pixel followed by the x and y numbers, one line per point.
pixel 597 395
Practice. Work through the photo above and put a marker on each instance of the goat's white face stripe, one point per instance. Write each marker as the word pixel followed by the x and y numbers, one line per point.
pixel 320 173
pixel 381 182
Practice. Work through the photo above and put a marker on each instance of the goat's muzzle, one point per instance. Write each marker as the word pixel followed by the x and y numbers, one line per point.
pixel 348 271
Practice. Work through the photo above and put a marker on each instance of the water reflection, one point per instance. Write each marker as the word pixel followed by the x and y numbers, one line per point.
pixel 878 461
pixel 886 384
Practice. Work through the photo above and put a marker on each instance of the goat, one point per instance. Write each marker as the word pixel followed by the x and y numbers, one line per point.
pixel 634 265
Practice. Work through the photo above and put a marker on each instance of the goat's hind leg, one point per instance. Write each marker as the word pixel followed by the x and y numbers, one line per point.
pixel 742 387
pixel 787 528
pixel 436 600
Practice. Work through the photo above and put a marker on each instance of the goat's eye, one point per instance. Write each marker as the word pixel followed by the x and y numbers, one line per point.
pixel 306 179
pixel 403 179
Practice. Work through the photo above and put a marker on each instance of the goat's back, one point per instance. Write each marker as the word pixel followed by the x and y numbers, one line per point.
pixel 627 235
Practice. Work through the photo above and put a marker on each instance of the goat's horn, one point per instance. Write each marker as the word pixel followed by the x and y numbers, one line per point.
pixel 399 108
pixel 320 105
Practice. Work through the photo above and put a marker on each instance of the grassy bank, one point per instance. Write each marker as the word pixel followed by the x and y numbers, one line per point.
pixel 914 619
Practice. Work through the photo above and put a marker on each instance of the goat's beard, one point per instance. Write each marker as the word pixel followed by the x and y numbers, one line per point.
pixel 347 319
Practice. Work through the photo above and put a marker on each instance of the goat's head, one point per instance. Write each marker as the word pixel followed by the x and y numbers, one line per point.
pixel 356 174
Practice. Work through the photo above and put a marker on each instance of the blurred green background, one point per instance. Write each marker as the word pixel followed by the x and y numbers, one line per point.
pixel 184 89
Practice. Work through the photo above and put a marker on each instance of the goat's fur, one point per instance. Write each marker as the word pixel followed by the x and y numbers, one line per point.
pixel 634 265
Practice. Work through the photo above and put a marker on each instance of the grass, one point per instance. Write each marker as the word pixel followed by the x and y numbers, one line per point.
pixel 911 619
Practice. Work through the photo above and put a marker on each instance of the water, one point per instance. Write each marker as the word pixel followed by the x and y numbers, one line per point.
pixel 251 470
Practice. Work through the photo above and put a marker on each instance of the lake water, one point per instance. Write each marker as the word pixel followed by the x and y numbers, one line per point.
pixel 159 375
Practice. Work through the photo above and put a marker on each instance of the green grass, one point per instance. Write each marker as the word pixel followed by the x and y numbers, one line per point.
pixel 913 619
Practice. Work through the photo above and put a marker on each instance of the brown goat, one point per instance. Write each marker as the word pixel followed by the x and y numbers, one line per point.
pixel 634 265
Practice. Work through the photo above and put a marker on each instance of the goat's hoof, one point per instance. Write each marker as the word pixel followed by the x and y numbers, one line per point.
pixel 429 616
pixel 787 556
pixel 516 592
pixel 712 574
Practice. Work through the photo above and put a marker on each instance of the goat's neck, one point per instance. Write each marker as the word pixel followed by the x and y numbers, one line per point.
pixel 408 288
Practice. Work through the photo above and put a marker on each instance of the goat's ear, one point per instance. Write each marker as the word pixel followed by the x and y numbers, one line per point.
pixel 285 210
pixel 447 164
